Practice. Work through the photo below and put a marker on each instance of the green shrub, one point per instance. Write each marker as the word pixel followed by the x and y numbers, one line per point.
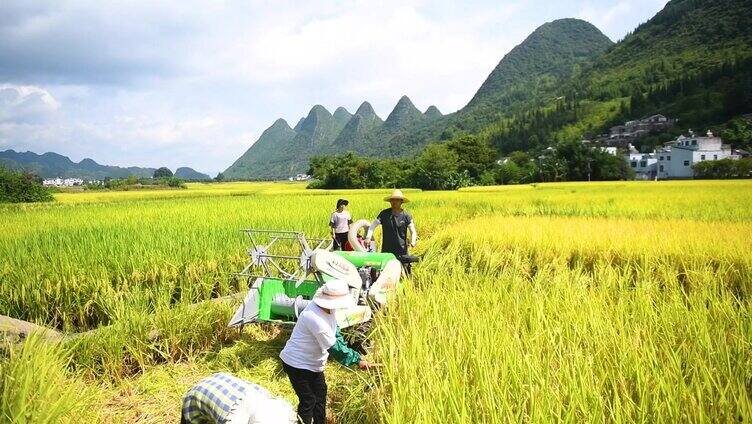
pixel 18 187
pixel 723 169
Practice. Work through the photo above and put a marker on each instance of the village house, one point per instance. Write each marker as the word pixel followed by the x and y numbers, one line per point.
pixel 641 127
pixel 676 158
pixel 644 165
pixel 300 177
pixel 62 182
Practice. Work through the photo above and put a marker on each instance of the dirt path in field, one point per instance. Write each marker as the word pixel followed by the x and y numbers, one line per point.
pixel 16 329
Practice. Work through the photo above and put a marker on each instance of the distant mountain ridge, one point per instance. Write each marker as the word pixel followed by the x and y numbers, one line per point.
pixel 551 52
pixel 53 165
pixel 361 124
pixel 565 81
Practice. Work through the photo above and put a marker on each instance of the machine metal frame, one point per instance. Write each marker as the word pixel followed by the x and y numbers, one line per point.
pixel 273 264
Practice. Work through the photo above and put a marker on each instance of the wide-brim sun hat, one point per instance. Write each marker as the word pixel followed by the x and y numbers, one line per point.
pixel 397 194
pixel 275 411
pixel 334 294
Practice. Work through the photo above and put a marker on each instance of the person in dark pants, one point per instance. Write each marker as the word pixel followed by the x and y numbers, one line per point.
pixel 395 222
pixel 314 338
pixel 340 224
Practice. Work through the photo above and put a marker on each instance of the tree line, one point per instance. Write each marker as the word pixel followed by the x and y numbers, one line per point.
pixel 467 161
pixel 26 187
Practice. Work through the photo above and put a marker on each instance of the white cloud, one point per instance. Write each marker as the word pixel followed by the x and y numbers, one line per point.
pixel 616 19
pixel 190 83
pixel 25 103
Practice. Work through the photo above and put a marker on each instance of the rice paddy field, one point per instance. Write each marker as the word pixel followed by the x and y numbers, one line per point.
pixel 573 302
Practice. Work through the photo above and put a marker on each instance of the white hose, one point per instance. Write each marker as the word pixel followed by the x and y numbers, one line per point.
pixel 352 235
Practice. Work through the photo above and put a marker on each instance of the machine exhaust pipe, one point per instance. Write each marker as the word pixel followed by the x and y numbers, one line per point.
pixel 287 306
pixel 352 235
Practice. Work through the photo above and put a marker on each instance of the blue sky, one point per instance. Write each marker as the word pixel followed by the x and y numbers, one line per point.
pixel 185 83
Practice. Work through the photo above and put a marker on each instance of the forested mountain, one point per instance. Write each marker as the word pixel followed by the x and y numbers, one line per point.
pixel 52 165
pixel 551 52
pixel 269 157
pixel 686 37
pixel 190 174
pixel 690 61
pixel 282 151
pixel 531 71
pixel 565 81
pixel 362 124
pixel 404 114
pixel 403 133
pixel 432 112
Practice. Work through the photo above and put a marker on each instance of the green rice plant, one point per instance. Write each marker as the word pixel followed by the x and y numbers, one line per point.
pixel 139 339
pixel 35 385
pixel 570 319
pixel 619 301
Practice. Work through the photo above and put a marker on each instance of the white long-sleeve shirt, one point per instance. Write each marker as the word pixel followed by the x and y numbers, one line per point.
pixel 313 335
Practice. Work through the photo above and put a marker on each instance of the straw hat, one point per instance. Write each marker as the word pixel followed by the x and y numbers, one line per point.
pixel 397 194
pixel 334 294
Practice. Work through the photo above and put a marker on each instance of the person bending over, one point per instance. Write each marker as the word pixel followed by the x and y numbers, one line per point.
pixel 222 398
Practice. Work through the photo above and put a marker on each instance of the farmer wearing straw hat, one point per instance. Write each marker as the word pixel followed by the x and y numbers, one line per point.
pixel 314 338
pixel 396 221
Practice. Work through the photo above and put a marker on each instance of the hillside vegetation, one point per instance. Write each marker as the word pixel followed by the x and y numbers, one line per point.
pixel 691 61
pixel 529 74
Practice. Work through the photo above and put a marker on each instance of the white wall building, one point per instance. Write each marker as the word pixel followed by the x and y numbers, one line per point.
pixel 643 164
pixel 300 177
pixel 675 160
pixel 62 182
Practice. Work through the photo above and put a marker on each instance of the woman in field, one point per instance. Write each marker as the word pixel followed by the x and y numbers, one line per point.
pixel 315 337
pixel 340 224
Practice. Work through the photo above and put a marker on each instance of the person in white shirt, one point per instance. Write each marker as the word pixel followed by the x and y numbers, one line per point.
pixel 314 338
pixel 340 224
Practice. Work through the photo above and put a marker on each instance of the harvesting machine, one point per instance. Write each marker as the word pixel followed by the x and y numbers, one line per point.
pixel 286 268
